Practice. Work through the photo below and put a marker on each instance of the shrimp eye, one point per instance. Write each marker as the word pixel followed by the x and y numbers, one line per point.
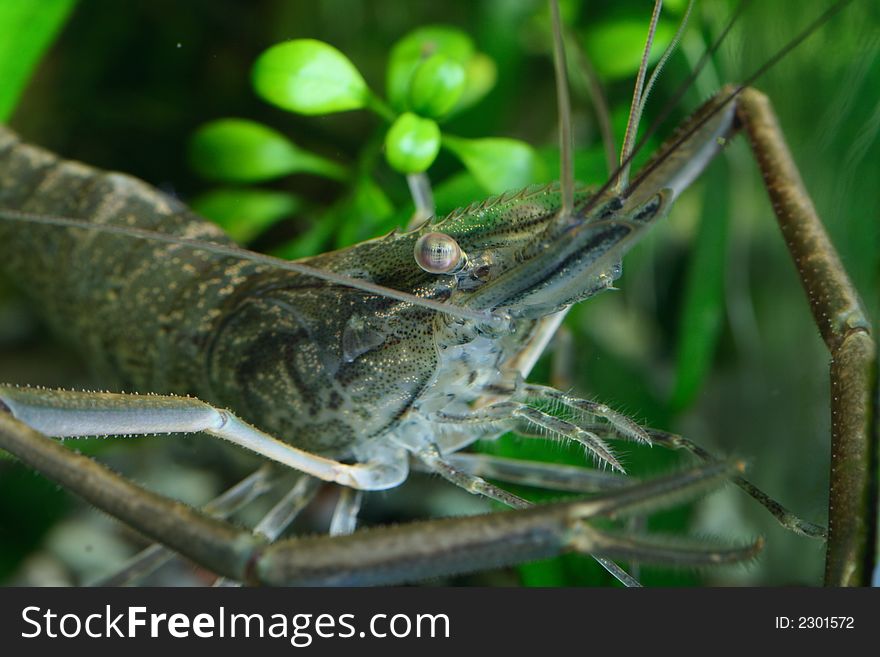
pixel 438 253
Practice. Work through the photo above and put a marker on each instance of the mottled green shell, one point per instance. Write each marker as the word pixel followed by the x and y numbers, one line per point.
pixel 275 347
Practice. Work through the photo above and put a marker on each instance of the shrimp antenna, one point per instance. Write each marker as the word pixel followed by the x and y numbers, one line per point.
pixel 566 163
pixel 772 61
pixel 638 107
pixel 665 57
pixel 687 83
pixel 635 108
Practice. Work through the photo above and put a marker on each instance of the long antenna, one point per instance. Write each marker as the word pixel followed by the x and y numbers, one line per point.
pixel 655 74
pixel 566 163
pixel 782 52
pixel 635 109
pixel 779 54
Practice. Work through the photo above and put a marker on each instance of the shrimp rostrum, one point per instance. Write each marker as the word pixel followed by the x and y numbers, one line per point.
pixel 358 365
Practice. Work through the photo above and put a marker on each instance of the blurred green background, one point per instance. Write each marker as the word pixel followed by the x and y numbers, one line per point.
pixel 709 336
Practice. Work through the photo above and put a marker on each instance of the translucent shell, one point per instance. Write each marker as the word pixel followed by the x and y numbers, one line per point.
pixel 438 253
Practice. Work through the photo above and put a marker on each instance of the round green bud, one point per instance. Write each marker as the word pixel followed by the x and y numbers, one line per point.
pixel 412 143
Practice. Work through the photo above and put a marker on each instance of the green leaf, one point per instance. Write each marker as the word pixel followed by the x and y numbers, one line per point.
pixel 245 213
pixel 590 165
pixel 700 322
pixel 412 143
pixel 457 191
pixel 616 47
pixel 309 77
pixel 364 213
pixel 27 29
pixel 417 46
pixel 480 76
pixel 367 214
pixel 437 85
pixel 313 241
pixel 499 164
pixel 238 150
